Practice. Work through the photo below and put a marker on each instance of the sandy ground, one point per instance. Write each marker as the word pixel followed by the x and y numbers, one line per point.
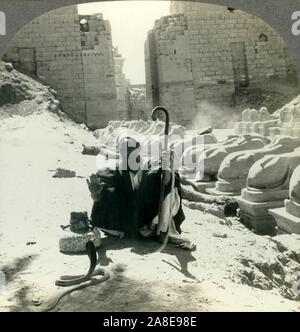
pixel 231 270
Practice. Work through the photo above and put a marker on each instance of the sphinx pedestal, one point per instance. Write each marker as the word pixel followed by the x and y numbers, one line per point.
pixel 286 222
pixel 254 210
pixel 234 169
pixel 288 217
pixel 256 122
pixel 267 188
pixel 209 162
pixel 225 188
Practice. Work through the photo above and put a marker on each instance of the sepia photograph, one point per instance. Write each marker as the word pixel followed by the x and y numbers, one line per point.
pixel 150 160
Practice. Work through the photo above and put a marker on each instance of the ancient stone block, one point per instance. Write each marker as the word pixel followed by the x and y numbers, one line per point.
pixel 51 47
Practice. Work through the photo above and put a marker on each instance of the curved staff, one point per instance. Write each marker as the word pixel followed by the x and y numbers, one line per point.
pixel 155 117
pixel 165 148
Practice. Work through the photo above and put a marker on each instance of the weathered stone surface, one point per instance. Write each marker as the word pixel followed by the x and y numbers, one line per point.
pixel 267 188
pixel 78 64
pixel 286 222
pixel 213 157
pixel 235 167
pixel 265 116
pixel 189 150
pixel 191 57
pixel 273 173
pixel 286 116
pixel 256 215
pixel 289 119
pixel 256 122
pixel 288 217
pixel 293 205
pixel 246 115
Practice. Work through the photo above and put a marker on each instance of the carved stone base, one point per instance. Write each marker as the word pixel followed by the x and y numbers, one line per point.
pixel 281 231
pixel 261 196
pixel 292 208
pixel 247 128
pixel 296 132
pixel 238 130
pixel 286 222
pixel 203 186
pixel 274 131
pixel 264 130
pixel 257 216
pixel 232 188
pixel 255 128
pixel 287 131
pixel 216 192
pixel 198 185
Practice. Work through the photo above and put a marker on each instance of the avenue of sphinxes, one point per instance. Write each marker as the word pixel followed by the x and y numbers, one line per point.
pixel 218 104
pixel 256 169
pixel 253 167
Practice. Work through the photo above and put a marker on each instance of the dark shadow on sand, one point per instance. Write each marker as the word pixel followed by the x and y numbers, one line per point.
pixel 18 265
pixel 145 247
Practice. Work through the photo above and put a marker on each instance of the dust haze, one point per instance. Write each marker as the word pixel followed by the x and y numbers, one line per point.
pixel 216 116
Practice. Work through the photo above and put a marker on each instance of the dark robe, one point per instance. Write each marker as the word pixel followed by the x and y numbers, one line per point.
pixel 124 209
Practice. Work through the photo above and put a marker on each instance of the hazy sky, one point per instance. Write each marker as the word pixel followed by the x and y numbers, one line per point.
pixel 130 21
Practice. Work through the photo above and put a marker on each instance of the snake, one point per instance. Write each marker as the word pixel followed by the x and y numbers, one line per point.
pixel 81 281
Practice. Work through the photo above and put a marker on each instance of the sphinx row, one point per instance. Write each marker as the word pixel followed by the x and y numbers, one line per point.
pixel 285 121
pixel 259 170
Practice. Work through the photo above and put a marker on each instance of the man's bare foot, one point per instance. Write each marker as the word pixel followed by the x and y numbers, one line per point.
pixel 182 242
pixel 187 246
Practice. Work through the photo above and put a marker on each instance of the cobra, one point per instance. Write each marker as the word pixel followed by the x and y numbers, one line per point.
pixel 91 278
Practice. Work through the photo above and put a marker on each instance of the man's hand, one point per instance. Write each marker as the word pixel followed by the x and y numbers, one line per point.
pixel 95 186
pixel 167 161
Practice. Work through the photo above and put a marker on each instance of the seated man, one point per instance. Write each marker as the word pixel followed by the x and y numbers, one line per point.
pixel 126 199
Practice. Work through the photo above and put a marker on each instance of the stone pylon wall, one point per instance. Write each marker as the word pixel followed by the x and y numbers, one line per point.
pixel 169 76
pixel 99 72
pixel 137 103
pixel 203 53
pixel 122 87
pixel 78 65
